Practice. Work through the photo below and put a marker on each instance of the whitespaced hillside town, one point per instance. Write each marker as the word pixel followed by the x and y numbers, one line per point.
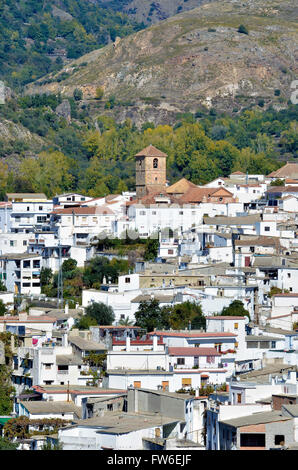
pixel 160 319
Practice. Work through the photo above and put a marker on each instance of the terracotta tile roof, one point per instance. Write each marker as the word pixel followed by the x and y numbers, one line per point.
pixel 93 210
pixel 225 317
pixel 193 351
pixel 152 197
pixel 196 195
pixel 238 173
pixel 258 241
pixel 151 151
pixel 29 319
pixel 190 334
pixel 137 342
pixel 289 170
pixel 283 189
pixel 200 371
pixel 180 187
pixel 76 390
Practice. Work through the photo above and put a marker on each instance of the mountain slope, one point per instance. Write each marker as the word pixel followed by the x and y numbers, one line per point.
pixel 195 58
pixel 150 12
pixel 38 37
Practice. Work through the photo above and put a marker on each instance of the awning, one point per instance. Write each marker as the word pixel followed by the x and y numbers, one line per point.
pixel 4 420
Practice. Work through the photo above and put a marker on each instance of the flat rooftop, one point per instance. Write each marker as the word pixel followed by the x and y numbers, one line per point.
pixel 123 423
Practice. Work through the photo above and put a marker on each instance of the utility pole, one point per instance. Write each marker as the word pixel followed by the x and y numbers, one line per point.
pixel 60 279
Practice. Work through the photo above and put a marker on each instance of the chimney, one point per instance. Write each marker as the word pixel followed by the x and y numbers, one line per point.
pixel 65 340
pixel 154 343
pixel 127 343
pixel 66 308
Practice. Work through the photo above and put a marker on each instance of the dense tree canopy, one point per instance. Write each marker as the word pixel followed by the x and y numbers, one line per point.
pixel 102 313
pixel 236 308
pixel 94 154
pixel 180 316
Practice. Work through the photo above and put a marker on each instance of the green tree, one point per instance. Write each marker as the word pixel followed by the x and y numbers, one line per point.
pixel 187 314
pixel 3 308
pixel 46 275
pixel 6 444
pixel 102 313
pixel 236 308
pixel 150 315
pixel 78 94
pixel 84 322
pixel 151 249
pixel 277 182
pixel 125 322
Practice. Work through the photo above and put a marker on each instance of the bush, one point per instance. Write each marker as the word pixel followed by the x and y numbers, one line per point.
pixel 78 94
pixel 242 29
pixel 99 93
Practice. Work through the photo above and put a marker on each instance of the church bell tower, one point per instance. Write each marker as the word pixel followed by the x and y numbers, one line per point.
pixel 150 171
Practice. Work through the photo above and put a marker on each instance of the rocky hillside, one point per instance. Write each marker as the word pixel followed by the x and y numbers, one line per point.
pixel 149 11
pixel 194 59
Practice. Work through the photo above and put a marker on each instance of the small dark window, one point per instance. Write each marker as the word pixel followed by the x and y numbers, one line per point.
pixel 155 163
pixel 180 360
pixel 279 440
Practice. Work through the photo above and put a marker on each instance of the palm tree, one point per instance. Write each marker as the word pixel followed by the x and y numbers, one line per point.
pixel 125 322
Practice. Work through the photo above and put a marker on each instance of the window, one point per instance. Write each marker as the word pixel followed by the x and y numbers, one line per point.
pixel 137 384
pixel 170 252
pixel 28 209
pixel 48 366
pixel 238 397
pixel 24 242
pixel 236 326
pixel 267 229
pixel 11 242
pixel 264 344
pixel 289 274
pixel 155 163
pixel 252 440
pixel 180 361
pixel 127 280
pixel 142 213
pixel 279 440
pixel 40 208
pixel 186 382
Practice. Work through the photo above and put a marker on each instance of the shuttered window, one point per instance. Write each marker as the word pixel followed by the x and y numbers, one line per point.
pixel 186 382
